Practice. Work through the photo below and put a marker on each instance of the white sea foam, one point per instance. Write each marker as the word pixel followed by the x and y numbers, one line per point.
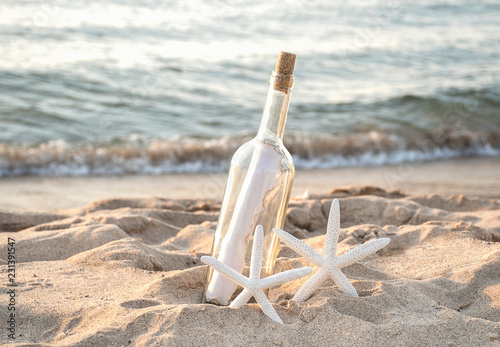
pixel 189 155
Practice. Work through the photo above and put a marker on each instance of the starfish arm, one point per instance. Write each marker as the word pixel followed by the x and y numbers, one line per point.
pixel 332 231
pixel 300 247
pixel 242 298
pixel 226 271
pixel 257 253
pixel 360 252
pixel 267 307
pixel 311 285
pixel 343 282
pixel 283 277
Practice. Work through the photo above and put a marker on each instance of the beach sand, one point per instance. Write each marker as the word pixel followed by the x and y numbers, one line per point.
pixel 127 272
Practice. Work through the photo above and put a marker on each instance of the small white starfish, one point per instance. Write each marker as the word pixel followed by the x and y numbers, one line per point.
pixel 254 285
pixel 329 264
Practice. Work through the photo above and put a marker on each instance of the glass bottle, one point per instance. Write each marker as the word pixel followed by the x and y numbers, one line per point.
pixel 257 191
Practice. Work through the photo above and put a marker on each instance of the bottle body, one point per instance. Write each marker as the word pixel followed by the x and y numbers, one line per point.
pixel 257 192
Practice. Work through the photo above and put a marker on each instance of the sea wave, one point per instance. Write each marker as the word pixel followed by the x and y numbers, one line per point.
pixel 194 155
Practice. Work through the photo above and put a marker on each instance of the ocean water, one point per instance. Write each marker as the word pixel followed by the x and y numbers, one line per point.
pixel 124 87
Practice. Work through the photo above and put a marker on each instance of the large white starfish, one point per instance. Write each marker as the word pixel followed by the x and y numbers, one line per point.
pixel 329 264
pixel 254 285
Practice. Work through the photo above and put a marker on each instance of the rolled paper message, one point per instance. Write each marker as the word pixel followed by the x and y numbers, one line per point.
pixel 259 186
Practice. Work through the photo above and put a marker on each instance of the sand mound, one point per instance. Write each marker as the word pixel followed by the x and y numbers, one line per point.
pixel 194 238
pixel 15 221
pixel 62 243
pixel 127 272
pixel 131 252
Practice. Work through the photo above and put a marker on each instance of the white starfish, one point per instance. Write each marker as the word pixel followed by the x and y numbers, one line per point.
pixel 254 285
pixel 329 264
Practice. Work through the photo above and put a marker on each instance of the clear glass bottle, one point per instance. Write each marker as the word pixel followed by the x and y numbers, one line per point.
pixel 257 191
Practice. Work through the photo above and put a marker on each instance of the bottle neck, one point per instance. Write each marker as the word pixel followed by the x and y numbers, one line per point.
pixel 275 111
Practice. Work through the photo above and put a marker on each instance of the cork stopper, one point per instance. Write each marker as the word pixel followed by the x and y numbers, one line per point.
pixel 285 63
pixel 283 73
